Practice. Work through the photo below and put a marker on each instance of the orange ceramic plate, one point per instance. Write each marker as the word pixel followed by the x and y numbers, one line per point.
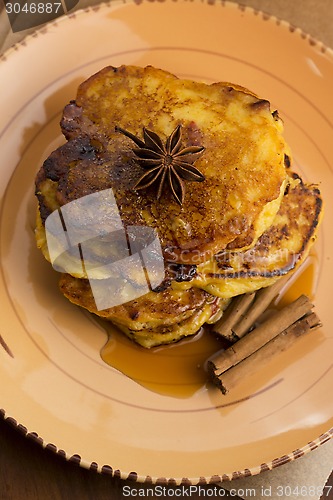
pixel 53 380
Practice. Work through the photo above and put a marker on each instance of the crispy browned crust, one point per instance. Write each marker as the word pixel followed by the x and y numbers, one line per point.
pixel 155 309
pixel 285 244
pixel 218 212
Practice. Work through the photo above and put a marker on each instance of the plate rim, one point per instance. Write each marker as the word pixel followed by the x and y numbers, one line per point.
pixel 266 16
pixel 107 469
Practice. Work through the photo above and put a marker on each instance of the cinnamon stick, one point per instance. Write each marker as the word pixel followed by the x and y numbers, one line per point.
pixel 229 378
pixel 263 298
pixel 257 338
pixel 234 313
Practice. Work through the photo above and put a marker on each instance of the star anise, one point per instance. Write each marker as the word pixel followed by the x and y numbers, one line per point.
pixel 167 162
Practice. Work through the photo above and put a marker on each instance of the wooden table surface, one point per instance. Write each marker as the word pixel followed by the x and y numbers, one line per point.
pixel 28 472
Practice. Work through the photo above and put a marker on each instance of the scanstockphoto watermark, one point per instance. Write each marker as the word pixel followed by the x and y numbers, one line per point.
pixel 24 15
pixel 87 238
pixel 183 491
pixel 215 491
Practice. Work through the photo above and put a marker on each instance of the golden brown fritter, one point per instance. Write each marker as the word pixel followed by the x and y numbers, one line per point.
pixel 243 162
pixel 151 310
pixel 153 319
pixel 181 306
pixel 249 222
pixel 152 337
pixel 280 250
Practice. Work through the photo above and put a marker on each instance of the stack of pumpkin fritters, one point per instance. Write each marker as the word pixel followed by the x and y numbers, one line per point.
pixel 245 221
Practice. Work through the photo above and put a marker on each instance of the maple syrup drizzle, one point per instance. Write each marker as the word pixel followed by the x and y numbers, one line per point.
pixel 175 370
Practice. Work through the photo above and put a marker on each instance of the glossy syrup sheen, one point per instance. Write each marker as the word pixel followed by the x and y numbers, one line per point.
pixel 179 369
pixel 304 282
pixel 176 370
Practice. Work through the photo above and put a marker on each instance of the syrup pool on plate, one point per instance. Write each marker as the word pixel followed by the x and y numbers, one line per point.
pixel 304 282
pixel 178 369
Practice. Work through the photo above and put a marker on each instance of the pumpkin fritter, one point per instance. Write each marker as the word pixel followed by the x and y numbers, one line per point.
pixel 279 251
pixel 234 223
pixel 243 162
pixel 183 305
pixel 153 319
pixel 151 310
